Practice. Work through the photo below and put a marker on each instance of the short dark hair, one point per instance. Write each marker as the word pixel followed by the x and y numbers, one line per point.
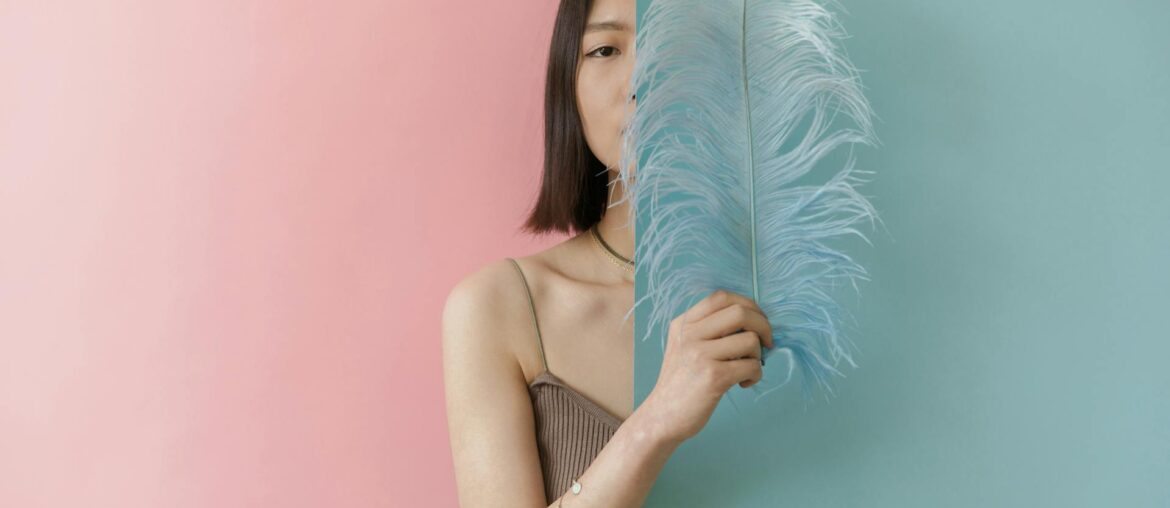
pixel 574 187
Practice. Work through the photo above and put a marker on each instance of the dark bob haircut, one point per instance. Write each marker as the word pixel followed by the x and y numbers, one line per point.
pixel 573 191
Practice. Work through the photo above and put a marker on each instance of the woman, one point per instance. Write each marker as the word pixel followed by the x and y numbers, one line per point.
pixel 538 360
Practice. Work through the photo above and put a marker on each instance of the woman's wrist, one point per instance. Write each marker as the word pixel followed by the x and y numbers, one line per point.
pixel 649 428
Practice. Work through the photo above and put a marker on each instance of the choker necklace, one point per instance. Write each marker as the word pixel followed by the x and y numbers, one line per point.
pixel 613 256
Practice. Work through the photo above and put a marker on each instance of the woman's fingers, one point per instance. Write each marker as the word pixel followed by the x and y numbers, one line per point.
pixel 715 301
pixel 732 319
pixel 743 372
pixel 733 347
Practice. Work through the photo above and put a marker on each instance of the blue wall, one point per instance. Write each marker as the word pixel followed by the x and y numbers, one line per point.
pixel 1015 336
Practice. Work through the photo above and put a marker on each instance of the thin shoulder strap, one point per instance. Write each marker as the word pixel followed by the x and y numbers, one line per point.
pixel 532 308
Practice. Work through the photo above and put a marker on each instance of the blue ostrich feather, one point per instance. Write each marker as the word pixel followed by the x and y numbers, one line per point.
pixel 737 101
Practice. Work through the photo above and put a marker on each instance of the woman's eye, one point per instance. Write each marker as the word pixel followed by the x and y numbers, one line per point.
pixel 603 48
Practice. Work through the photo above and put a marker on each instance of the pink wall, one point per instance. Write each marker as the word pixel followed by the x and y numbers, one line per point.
pixel 228 230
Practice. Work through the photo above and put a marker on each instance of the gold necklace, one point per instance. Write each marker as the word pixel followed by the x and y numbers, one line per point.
pixel 615 258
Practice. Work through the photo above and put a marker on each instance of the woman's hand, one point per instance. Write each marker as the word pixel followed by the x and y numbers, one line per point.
pixel 713 345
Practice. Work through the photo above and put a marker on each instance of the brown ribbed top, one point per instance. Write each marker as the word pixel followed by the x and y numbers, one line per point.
pixel 570 429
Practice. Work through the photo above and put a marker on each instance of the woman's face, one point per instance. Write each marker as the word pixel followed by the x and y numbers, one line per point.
pixel 603 76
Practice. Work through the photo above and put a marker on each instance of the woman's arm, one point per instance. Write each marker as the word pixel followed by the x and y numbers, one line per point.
pixel 489 412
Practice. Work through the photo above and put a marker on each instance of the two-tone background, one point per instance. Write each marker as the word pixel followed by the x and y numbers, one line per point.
pixel 228 228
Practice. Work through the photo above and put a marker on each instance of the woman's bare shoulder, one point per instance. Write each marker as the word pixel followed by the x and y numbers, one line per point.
pixel 496 282
pixel 493 287
pixel 483 297
pixel 488 310
pixel 482 286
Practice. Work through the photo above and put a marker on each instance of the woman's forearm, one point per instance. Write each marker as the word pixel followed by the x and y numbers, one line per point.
pixel 624 471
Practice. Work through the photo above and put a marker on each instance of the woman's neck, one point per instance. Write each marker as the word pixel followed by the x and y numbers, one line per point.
pixel 616 231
